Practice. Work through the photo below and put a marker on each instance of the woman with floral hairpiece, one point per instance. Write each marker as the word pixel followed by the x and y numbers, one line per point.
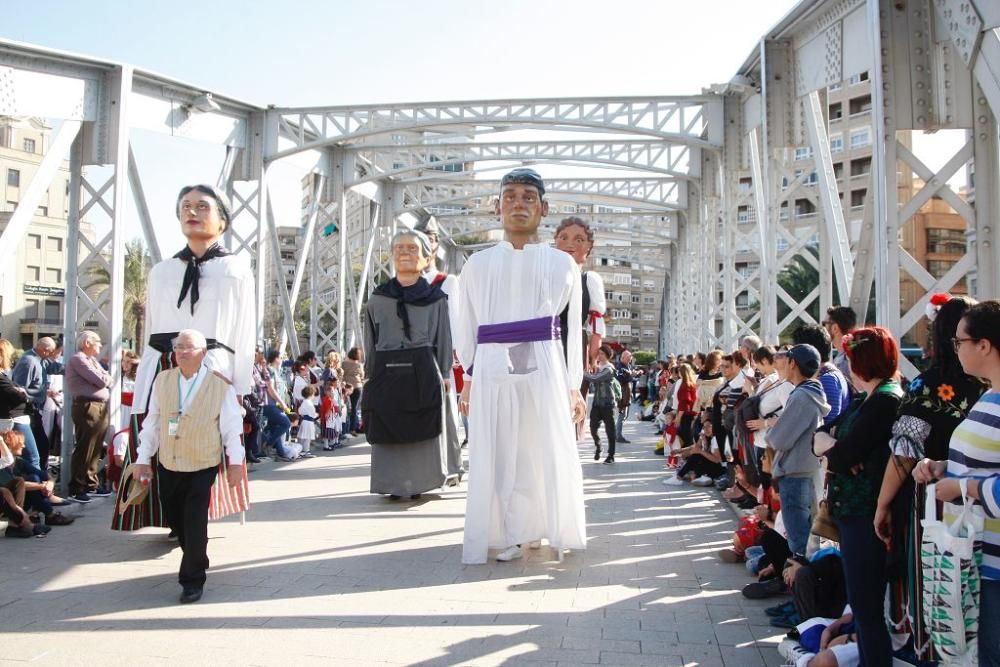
pixel 937 401
pixel 857 450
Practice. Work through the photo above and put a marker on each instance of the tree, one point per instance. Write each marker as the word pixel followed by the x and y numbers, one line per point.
pixel 137 266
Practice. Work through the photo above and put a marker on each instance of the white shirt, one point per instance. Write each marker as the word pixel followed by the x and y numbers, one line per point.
pixel 225 312
pixel 598 304
pixel 230 420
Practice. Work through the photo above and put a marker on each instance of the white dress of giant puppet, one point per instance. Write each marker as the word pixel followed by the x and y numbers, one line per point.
pixel 525 480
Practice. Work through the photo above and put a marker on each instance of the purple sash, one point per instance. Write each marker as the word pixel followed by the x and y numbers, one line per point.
pixel 521 331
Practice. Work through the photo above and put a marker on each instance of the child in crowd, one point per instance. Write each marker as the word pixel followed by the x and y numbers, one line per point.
pixel 331 411
pixel 307 421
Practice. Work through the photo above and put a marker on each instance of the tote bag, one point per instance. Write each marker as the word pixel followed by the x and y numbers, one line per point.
pixel 950 558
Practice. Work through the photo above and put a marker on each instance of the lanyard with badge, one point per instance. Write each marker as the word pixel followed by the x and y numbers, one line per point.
pixel 174 422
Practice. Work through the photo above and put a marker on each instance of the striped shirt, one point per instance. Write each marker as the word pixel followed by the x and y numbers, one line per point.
pixel 974 452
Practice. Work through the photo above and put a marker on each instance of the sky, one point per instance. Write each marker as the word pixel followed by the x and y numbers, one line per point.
pixel 339 53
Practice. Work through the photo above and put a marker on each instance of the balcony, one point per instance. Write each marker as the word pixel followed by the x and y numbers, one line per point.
pixel 42 320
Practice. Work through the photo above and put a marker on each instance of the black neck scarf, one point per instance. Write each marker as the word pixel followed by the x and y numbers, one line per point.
pixel 420 293
pixel 193 272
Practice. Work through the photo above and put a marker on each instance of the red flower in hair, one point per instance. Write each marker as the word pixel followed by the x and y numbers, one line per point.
pixel 940 299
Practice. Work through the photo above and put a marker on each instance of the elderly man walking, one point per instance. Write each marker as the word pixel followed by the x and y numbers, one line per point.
pixel 89 386
pixel 192 420
pixel 29 372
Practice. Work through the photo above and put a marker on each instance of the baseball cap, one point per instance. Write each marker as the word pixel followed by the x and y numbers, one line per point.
pixel 805 356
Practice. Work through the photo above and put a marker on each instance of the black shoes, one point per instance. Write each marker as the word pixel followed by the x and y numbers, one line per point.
pixel 622 439
pixel 100 492
pixel 191 595
pixel 81 498
pixel 597 452
pixel 608 460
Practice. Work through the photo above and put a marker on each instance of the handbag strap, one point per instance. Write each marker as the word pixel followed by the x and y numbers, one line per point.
pixel 930 502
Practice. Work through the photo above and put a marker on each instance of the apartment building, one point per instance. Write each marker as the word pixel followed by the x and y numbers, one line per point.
pixel 33 281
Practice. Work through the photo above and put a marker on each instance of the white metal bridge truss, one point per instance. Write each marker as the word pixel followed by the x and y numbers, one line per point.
pixel 689 183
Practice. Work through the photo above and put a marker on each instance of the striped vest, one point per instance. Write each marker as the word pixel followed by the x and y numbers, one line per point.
pixel 198 442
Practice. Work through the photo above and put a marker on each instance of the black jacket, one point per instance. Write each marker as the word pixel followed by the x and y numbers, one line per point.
pixel 12 402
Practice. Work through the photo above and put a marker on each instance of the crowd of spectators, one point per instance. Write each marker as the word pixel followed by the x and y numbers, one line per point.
pixel 293 403
pixel 827 450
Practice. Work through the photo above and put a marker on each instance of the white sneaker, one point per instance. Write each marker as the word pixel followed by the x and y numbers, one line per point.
pixel 704 480
pixel 674 481
pixel 793 652
pixel 511 553
pixel 536 544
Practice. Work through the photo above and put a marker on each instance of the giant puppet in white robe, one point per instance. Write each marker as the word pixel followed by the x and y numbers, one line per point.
pixel 525 480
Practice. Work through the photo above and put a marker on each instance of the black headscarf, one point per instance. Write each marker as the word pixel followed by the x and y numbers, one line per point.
pixel 420 293
pixel 193 272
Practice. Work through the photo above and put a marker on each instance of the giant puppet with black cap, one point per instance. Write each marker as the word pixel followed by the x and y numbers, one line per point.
pixel 521 394
pixel 206 288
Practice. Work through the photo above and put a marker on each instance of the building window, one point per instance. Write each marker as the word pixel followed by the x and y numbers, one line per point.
pixel 858 78
pixel 647 317
pixel 648 333
pixel 43 211
pixel 649 300
pixel 803 153
pixel 621 279
pixel 13 178
pixel 29 145
pixel 53 244
pixel 52 310
pixel 836 143
pixel 946 241
pixel 861 166
pixel 53 276
pixel 33 273
pixel 34 242
pixel 649 284
pixel 31 308
pixel 620 298
pixel 861 105
pixel 635 298
pixel 742 300
pixel 861 138
pixel 834 86
pixel 635 282
pixel 836 111
pixel 858 198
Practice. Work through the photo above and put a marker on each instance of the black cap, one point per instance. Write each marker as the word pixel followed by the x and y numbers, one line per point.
pixel 526 176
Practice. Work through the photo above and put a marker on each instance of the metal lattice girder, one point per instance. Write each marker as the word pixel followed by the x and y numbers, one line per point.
pixel 625 226
pixel 651 156
pixel 662 194
pixel 677 119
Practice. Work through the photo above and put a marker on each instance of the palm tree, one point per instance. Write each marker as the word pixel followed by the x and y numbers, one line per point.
pixel 137 265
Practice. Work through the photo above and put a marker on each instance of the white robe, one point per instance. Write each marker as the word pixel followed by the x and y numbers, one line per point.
pixel 225 311
pixel 525 480
pixel 598 304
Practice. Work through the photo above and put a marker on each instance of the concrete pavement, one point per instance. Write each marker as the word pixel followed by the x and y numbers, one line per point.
pixel 325 573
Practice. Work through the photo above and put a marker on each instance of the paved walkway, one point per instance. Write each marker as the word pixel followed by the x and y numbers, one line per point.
pixel 324 573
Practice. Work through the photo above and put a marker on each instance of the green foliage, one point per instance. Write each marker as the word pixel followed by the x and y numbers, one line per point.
pixel 643 357
pixel 137 266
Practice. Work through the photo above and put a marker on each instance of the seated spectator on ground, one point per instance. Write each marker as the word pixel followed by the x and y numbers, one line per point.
pixel 38 488
pixel 702 463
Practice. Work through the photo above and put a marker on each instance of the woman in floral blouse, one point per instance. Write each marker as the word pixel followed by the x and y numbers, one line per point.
pixel 935 403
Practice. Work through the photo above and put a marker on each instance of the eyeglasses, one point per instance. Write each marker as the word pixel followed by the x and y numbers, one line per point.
pixel 957 342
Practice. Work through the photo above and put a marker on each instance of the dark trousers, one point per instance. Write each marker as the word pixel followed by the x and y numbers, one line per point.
pixel 776 550
pixel 355 417
pixel 90 421
pixel 864 568
pixel 699 465
pixel 185 497
pixel 819 588
pixel 606 414
pixel 251 438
